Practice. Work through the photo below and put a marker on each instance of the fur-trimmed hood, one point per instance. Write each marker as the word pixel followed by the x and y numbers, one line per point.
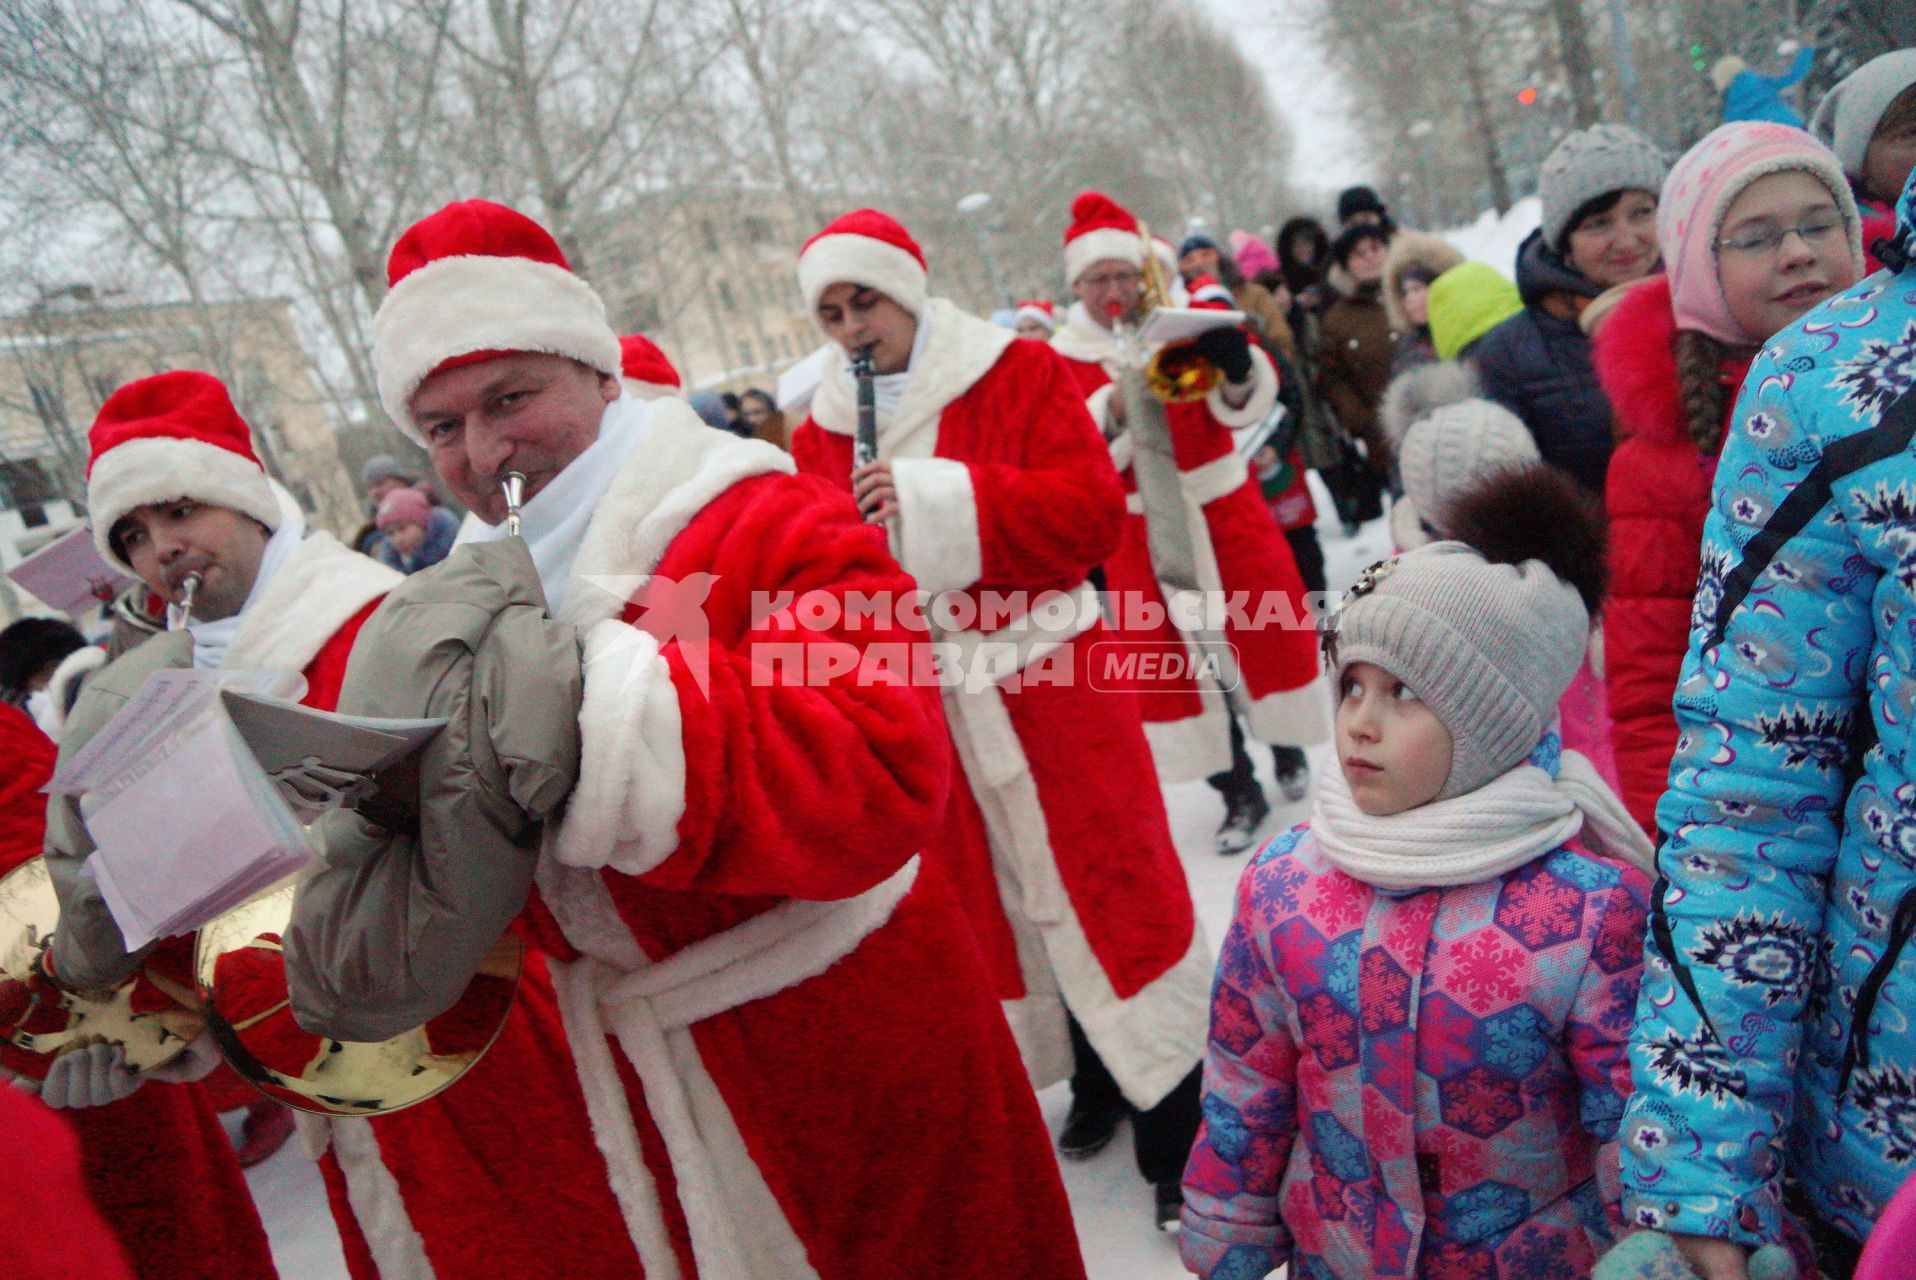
pixel 1413 249
pixel 1635 357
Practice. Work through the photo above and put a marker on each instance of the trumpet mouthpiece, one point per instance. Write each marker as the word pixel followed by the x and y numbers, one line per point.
pixel 513 487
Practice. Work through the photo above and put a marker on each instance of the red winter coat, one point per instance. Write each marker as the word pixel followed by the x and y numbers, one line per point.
pixel 1657 495
pixel 776 1008
pixel 1056 829
pixel 56 1234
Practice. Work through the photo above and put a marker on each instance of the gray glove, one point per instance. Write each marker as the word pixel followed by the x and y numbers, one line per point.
pixel 387 935
pixel 89 1077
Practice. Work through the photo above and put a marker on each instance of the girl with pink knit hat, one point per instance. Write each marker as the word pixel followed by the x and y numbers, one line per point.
pixel 1757 225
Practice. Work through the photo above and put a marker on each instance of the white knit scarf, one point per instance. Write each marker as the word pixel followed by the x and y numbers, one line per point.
pixel 1478 836
pixel 554 520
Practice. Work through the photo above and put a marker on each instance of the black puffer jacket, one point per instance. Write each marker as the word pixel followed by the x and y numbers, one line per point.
pixel 1538 366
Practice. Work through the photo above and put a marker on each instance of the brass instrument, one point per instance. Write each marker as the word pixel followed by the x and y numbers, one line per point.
pixel 240 975
pixel 144 1015
pixel 1177 372
pixel 1141 383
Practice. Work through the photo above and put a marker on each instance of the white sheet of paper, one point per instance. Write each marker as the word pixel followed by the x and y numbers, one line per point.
pixel 68 574
pixel 167 705
pixel 1172 324
pixel 197 832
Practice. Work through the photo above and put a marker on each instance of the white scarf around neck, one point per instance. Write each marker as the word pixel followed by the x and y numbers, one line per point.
pixel 1511 820
pixel 212 639
pixel 553 521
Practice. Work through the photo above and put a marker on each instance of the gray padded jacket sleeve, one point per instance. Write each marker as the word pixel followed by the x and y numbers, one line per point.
pixel 387 933
pixel 88 950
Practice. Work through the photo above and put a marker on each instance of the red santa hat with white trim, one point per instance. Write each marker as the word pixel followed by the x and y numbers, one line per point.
pixel 1039 309
pixel 1101 230
pixel 646 370
pixel 870 249
pixel 473 282
pixel 171 436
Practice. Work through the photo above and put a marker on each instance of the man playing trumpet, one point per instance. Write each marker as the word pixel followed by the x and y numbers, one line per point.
pixel 179 499
pixel 1208 541
pixel 792 1058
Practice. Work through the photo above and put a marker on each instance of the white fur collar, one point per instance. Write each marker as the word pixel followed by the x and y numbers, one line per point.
pixel 1083 339
pixel 961 349
pixel 678 471
pixel 318 590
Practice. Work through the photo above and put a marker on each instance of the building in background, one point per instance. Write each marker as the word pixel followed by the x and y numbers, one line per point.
pixel 62 358
pixel 725 305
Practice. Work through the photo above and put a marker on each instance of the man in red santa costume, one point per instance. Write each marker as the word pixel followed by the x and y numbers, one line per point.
pixel 793 1060
pixel 1234 594
pixel 174 487
pixel 995 487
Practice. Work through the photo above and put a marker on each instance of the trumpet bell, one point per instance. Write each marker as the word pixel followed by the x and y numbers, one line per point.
pixel 142 1015
pixel 240 974
pixel 1179 373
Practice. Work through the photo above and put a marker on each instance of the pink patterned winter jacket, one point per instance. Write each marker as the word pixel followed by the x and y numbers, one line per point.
pixel 1426 1084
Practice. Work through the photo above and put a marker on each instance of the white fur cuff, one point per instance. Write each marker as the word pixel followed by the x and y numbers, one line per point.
pixel 936 533
pixel 625 811
pixel 1293 718
pixel 1263 395
pixel 457 306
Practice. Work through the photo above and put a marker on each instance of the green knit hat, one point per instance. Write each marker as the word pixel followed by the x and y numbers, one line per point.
pixel 1466 302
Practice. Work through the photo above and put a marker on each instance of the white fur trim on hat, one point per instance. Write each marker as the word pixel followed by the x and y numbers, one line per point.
pixel 648 390
pixel 1098 246
pixel 162 468
pixel 1039 314
pixel 863 261
pixel 456 306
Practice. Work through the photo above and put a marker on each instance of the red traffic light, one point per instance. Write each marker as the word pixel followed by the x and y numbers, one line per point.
pixel 1526 95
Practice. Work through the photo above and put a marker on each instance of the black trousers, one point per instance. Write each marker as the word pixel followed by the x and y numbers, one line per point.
pixel 1309 554
pixel 1161 1137
pixel 1239 782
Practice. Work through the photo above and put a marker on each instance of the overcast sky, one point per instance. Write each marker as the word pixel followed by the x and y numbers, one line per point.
pixel 1306 92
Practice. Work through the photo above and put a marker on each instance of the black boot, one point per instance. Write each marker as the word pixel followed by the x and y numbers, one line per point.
pixel 1244 814
pixel 1170 1205
pixel 1088 1129
pixel 1293 773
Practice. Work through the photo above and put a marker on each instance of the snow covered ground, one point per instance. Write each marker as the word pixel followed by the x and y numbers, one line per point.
pixel 1112 1205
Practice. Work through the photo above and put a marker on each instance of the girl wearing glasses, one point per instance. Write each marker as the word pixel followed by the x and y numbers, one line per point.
pixel 1756 225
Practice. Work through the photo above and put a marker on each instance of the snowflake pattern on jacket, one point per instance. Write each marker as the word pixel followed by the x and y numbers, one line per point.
pixel 1789 876
pixel 1425 1084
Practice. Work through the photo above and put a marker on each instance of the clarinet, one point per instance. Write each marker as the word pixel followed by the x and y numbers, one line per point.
pixel 865 443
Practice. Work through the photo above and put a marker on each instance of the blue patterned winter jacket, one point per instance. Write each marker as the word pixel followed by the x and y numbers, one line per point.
pixel 1775 1022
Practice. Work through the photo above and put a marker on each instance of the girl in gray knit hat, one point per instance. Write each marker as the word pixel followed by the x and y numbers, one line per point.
pixel 1424 999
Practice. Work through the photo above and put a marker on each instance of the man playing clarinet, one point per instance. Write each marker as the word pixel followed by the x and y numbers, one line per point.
pixel 997 495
